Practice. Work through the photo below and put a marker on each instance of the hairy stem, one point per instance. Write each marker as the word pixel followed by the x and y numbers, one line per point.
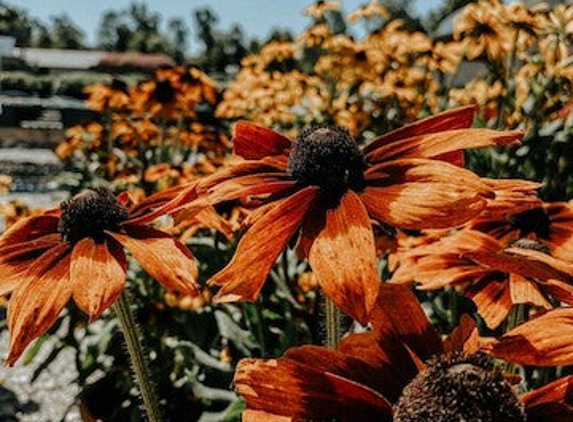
pixel 138 357
pixel 333 329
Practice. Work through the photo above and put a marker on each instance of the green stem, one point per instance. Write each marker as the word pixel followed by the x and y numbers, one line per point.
pixel 333 329
pixel 137 357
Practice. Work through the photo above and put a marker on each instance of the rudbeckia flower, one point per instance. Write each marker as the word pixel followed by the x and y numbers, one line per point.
pixel 325 189
pixel 77 251
pixel 400 371
pixel 493 276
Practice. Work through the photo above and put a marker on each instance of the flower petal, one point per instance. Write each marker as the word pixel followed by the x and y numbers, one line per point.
pixel 423 205
pixel 287 388
pixel 493 300
pixel 243 277
pixel 459 118
pixel 441 143
pixel 253 142
pixel 97 275
pixel 550 403
pixel 544 341
pixel 343 258
pixel 36 303
pixel 163 257
pixel 30 228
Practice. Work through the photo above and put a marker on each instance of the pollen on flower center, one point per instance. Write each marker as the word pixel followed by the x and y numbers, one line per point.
pixel 330 158
pixel 89 214
pixel 459 387
pixel 531 244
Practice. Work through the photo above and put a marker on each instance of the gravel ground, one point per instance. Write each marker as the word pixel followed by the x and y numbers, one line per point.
pixel 46 400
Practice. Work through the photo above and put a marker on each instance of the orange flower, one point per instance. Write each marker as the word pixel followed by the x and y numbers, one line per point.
pixel 77 251
pixel 330 188
pixel 400 371
pixel 496 277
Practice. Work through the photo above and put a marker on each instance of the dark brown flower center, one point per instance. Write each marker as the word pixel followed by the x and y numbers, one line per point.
pixel 89 214
pixel 164 91
pixel 459 388
pixel 330 158
pixel 534 220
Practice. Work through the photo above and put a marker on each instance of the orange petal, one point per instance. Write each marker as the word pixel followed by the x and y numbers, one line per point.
pixel 260 416
pixel 163 257
pixel 37 303
pixel 438 144
pixel 523 290
pixel 253 142
pixel 493 300
pixel 260 184
pixel 29 229
pixel 288 388
pixel 243 277
pixel 525 262
pixel 551 403
pixel 464 338
pixel 423 205
pixel 544 341
pixel 343 257
pixel 399 312
pixel 459 118
pixel 97 275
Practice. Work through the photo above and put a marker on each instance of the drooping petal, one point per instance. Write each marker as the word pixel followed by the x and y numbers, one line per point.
pixel 261 416
pixel 343 257
pixel 37 302
pixel 493 300
pixel 98 275
pixel 399 312
pixel 544 341
pixel 437 144
pixel 550 403
pixel 423 205
pixel 163 257
pixel 30 228
pixel 464 338
pixel 287 388
pixel 525 262
pixel 260 184
pixel 254 142
pixel 523 290
pixel 459 118
pixel 243 277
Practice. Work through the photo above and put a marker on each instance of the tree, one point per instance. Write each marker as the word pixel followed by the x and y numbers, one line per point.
pixel 66 34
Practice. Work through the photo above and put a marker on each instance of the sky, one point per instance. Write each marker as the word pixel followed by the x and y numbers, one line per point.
pixel 257 17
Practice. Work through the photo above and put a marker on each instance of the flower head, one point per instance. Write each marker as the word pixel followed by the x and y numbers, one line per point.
pixel 400 371
pixel 77 252
pixel 324 189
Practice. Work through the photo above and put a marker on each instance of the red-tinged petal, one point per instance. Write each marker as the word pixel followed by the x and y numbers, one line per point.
pixel 561 291
pixel 551 403
pixel 244 276
pixel 493 300
pixel 464 338
pixel 544 341
pixel 438 144
pixel 523 290
pixel 244 168
pixel 422 205
pixel 30 228
pixel 343 258
pixel 163 257
pixel 37 302
pixel 97 275
pixel 525 262
pixel 355 364
pixel 254 142
pixel 261 184
pixel 288 388
pixel 399 312
pixel 166 202
pixel 459 118
pixel 29 249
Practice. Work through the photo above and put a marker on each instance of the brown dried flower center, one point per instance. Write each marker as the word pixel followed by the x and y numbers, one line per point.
pixel 89 214
pixel 534 220
pixel 459 388
pixel 330 158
